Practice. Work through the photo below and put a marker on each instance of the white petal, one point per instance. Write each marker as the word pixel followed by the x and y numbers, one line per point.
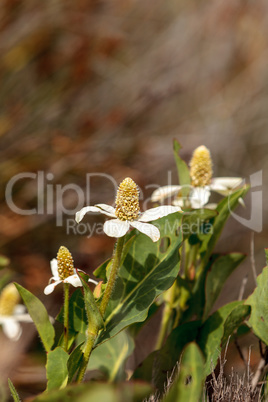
pixel 73 280
pixel 54 268
pixel 199 196
pixel 178 202
pixel 80 214
pixel 92 281
pixel 158 212
pixel 224 183
pixel 107 210
pixel 19 309
pixel 23 318
pixel 148 229
pixel 116 228
pixel 164 192
pixel 12 329
pixel 50 288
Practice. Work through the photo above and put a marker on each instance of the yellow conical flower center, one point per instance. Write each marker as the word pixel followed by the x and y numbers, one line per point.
pixel 127 201
pixel 201 167
pixel 65 263
pixel 9 298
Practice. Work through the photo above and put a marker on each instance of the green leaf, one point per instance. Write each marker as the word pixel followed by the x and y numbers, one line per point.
pixel 39 316
pixel 110 357
pixel 13 391
pixel 145 273
pixel 92 392
pixel 57 372
pixel 224 209
pixel 93 314
pixel 182 168
pixel 71 338
pixel 219 271
pixel 77 312
pixel 259 307
pixel 196 222
pixel 160 363
pixel 234 321
pixel 74 361
pixel 189 384
pixel 101 271
pixel 211 334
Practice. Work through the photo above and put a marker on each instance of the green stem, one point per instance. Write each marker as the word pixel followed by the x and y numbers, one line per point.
pixel 113 274
pixel 66 315
pixel 167 315
pixel 91 337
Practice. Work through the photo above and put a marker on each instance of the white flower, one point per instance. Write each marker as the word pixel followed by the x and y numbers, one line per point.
pixel 127 213
pixel 72 279
pixel 202 182
pixel 198 196
pixel 12 313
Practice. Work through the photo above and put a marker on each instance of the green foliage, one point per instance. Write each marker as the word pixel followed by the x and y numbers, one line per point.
pixel 39 316
pixel 77 313
pixel 145 273
pixel 224 209
pixel 211 334
pixel 57 372
pixel 93 314
pixel 216 277
pixel 74 361
pixel 110 357
pixel 189 383
pixel 92 392
pixel 13 391
pixel 160 363
pixel 183 171
pixel 259 307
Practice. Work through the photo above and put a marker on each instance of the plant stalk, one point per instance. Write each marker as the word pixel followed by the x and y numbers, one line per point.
pixel 66 315
pixel 92 334
pixel 113 274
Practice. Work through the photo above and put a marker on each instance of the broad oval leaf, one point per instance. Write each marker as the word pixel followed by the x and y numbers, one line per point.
pixel 211 334
pixel 259 307
pixel 110 357
pixel 219 271
pixel 39 316
pixel 57 372
pixel 188 385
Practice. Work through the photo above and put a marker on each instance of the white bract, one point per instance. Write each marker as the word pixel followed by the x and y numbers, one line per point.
pixel 72 279
pixel 11 323
pixel 118 228
pixel 198 196
pixel 12 313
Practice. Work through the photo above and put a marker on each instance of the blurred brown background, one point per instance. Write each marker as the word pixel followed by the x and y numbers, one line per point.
pixel 104 87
